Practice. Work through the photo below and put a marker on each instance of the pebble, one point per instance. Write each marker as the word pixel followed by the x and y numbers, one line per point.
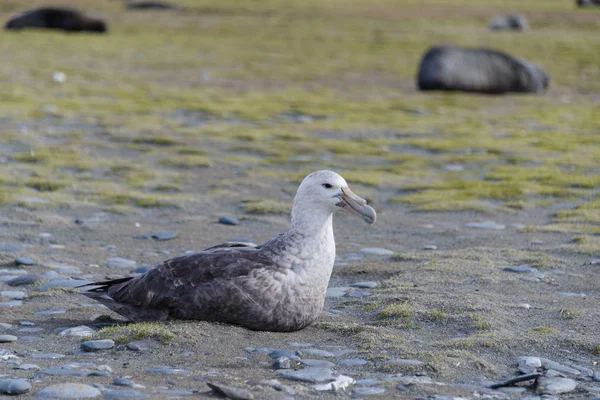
pixel 520 269
pixel 312 375
pixel 485 225
pixel 179 393
pixel 168 371
pixel 62 372
pixel 14 386
pixel 228 221
pixel 95 345
pixel 24 261
pixel 14 294
pixel 568 294
pixel 336 291
pixel 340 383
pixel 403 361
pixel 314 352
pixel 12 303
pixel 124 394
pixel 143 345
pixel 376 251
pixel 596 376
pixel 119 262
pixel 317 363
pixel 367 391
pixel 27 367
pixel 63 283
pixel 77 331
pixel 69 391
pixel 164 235
pixel 430 247
pixel 51 311
pixel 230 392
pixel 31 330
pixel 549 364
pixel 352 362
pixel 26 323
pixel 27 279
pixel 8 338
pixel 365 285
pixel 47 356
pixel 276 353
pixel 556 385
pixel 282 363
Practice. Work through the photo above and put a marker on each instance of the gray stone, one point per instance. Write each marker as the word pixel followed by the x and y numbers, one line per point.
pixel 556 385
pixel 63 283
pixel 228 221
pixel 27 367
pixel 314 352
pixel 31 330
pixel 26 323
pixel 26 279
pixel 118 262
pixel 352 362
pixel 14 386
pixel 47 356
pixel 521 269
pixel 178 393
pixel 365 285
pixel 24 261
pixel 592 389
pixel 568 294
pixel 96 345
pixel 9 248
pixel 124 394
pixel 164 235
pixel 277 353
pixel 282 363
pixel 230 392
pixel 430 247
pixel 8 338
pixel 549 364
pixel 597 376
pixel 485 225
pixel 413 380
pixel 528 365
pixel 69 391
pixel 357 294
pixel 403 361
pixel 77 331
pixel 62 372
pixel 585 370
pixel 142 270
pixel 317 363
pixel 51 311
pixel 367 391
pixel 143 345
pixel 5 325
pixel 14 294
pixel 367 382
pixel 376 251
pixel 123 382
pixel 12 303
pixel 312 375
pixel 336 291
pixel 168 371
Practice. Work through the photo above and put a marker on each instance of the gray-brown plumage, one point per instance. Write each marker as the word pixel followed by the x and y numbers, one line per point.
pixel 277 286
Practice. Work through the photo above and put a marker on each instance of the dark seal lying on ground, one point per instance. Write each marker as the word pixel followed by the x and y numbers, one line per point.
pixel 279 285
pixel 512 22
pixel 479 71
pixel 151 5
pixel 66 19
pixel 588 3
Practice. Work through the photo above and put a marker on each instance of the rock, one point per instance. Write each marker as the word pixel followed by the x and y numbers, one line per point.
pixel 77 331
pixel 402 361
pixel 317 363
pixel 68 391
pixel 512 22
pixel 51 311
pixel 228 221
pixel 126 382
pixel 596 376
pixel 118 262
pixel 282 363
pixel 143 345
pixel 96 345
pixel 485 225
pixel 358 294
pixel 24 261
pixel 8 338
pixel 178 393
pixel 529 365
pixel 352 362
pixel 12 303
pixel 367 382
pixel 59 77
pixel 314 352
pixel 376 251
pixel 340 383
pixel 592 389
pixel 164 235
pixel 568 294
pixel 27 367
pixel 62 372
pixel 365 285
pixel 124 394
pixel 549 364
pixel 413 380
pixel 168 371
pixel 367 391
pixel 556 385
pixel 430 247
pixel 63 283
pixel 336 291
pixel 9 248
pixel 277 353
pixel 27 279
pixel 520 269
pixel 14 386
pixel 312 375
pixel 14 294
pixel 142 270
pixel 230 392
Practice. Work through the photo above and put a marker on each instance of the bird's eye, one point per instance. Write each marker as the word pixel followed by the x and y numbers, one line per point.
pixel 327 185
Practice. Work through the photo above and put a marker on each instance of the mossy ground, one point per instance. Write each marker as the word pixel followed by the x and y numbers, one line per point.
pixel 222 109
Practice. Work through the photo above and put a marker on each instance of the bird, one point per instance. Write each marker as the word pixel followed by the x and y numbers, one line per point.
pixel 276 286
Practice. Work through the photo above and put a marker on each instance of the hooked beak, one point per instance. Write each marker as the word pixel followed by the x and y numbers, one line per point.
pixel 356 205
